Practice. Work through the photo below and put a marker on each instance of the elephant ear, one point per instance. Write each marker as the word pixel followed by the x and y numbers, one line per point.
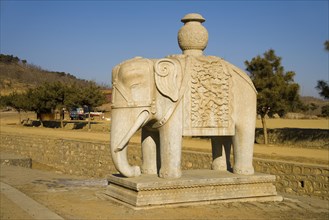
pixel 168 78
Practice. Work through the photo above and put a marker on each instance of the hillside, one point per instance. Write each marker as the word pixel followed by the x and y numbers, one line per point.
pixel 17 75
pixel 310 99
pixel 315 102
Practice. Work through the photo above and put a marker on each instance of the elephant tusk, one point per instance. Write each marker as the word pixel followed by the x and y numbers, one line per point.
pixel 140 121
pixel 118 149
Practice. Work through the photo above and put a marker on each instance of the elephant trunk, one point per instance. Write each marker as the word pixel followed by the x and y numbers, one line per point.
pixel 121 132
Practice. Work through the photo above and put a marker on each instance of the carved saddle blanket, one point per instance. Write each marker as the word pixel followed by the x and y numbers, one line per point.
pixel 208 98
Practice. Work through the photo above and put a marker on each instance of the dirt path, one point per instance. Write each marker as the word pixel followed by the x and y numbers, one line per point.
pixel 9 210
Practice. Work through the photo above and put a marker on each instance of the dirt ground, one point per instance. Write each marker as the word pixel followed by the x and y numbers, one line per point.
pixel 320 123
pixel 71 199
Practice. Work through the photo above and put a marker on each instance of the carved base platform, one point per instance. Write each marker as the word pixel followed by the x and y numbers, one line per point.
pixel 194 187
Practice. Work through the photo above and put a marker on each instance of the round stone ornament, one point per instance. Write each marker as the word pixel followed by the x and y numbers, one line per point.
pixel 193 36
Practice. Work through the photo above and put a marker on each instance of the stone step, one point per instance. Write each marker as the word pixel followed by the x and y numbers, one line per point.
pixel 15 160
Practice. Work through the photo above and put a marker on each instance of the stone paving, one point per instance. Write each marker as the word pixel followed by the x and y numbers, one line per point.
pixel 72 197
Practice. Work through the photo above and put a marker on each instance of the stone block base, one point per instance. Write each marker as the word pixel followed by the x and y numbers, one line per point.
pixel 194 187
pixel 15 160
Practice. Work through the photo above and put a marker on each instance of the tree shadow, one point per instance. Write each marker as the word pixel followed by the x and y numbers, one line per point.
pixel 293 135
pixel 51 124
pixel 56 124
pixel 79 125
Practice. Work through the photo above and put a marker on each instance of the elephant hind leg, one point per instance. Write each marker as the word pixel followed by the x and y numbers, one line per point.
pixel 221 160
pixel 150 151
pixel 243 143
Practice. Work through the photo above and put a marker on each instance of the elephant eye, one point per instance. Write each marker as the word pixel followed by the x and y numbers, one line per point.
pixel 135 85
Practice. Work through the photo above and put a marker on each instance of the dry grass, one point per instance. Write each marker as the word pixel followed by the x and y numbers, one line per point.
pixel 322 123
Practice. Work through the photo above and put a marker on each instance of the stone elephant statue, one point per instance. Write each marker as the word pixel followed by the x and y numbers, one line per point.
pixel 181 95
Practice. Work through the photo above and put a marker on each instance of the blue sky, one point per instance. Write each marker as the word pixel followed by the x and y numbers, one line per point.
pixel 88 38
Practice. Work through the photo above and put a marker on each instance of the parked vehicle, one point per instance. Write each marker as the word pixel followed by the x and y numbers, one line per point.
pixel 77 114
pixel 83 113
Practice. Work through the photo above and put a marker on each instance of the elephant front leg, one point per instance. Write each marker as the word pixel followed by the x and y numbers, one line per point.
pixel 171 147
pixel 150 151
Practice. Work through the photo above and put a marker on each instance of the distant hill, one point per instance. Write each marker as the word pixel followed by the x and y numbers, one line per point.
pixel 316 102
pixel 311 99
pixel 18 75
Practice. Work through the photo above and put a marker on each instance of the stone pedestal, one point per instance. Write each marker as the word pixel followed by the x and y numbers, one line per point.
pixel 194 187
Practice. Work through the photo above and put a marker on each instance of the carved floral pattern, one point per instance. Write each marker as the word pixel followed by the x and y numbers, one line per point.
pixel 210 94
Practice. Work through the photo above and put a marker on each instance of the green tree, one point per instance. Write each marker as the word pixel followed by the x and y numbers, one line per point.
pixel 18 101
pixel 47 97
pixel 8 59
pixel 326 45
pixel 325 110
pixel 91 95
pixel 72 96
pixel 51 96
pixel 277 91
pixel 313 106
pixel 323 89
pixel 3 101
pixel 322 86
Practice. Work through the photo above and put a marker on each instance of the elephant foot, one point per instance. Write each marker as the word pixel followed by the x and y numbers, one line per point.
pixel 134 172
pixel 219 164
pixel 170 173
pixel 149 171
pixel 244 171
